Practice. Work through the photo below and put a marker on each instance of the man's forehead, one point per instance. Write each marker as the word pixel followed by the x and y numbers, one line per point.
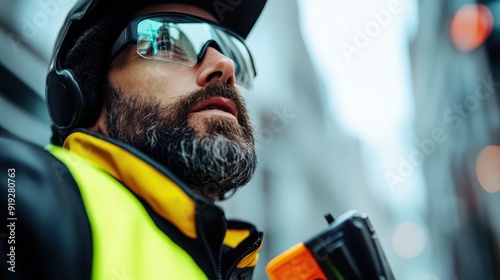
pixel 176 8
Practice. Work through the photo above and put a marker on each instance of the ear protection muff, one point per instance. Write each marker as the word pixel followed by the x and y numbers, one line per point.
pixel 69 102
pixel 65 101
pixel 71 91
pixel 68 105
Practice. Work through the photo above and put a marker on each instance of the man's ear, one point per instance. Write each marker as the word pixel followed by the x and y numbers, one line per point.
pixel 100 124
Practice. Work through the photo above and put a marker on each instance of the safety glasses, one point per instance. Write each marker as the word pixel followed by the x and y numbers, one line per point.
pixel 184 39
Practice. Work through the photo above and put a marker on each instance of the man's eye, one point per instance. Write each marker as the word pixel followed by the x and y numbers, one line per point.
pixel 163 45
pixel 173 50
pixel 162 49
pixel 179 52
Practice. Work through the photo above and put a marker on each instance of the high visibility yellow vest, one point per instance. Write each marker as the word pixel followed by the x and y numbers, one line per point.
pixel 145 224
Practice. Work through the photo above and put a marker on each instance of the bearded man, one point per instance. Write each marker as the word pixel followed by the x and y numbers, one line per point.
pixel 149 130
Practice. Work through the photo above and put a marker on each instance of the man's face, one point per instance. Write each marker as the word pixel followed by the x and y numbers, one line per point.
pixel 193 119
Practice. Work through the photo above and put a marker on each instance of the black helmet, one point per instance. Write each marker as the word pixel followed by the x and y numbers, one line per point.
pixel 81 54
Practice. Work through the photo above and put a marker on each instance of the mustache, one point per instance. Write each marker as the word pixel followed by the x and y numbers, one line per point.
pixel 214 89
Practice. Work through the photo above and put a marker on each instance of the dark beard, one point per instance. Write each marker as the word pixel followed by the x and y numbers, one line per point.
pixel 213 162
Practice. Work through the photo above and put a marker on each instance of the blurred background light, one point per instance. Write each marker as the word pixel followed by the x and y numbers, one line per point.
pixel 488 168
pixel 471 26
pixel 409 240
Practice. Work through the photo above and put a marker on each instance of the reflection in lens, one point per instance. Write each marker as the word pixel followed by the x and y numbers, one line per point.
pixel 181 40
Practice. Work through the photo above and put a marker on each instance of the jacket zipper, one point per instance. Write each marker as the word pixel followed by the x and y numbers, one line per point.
pixel 216 267
pixel 231 269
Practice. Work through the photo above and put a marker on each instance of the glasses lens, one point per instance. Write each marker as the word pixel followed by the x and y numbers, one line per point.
pixel 244 64
pixel 163 40
pixel 181 40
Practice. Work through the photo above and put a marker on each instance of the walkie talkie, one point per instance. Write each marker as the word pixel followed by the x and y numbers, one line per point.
pixel 348 249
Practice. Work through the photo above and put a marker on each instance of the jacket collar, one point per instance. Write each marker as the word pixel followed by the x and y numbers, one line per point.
pixel 166 194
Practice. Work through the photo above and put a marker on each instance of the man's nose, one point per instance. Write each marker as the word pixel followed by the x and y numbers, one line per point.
pixel 216 67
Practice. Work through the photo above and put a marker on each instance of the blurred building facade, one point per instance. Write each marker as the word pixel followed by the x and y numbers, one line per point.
pixel 457 91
